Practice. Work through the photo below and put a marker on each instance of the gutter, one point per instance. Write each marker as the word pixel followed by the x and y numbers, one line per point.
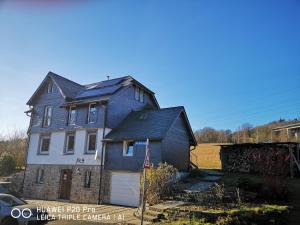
pixel 102 153
pixel 29 114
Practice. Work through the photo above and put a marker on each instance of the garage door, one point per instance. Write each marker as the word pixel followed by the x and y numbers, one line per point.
pixel 125 189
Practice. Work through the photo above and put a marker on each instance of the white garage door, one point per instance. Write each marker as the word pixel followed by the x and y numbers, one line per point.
pixel 125 189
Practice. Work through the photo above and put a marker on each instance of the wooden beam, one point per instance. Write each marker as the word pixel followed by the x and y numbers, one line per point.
pixel 298 152
pixel 291 162
pixel 296 162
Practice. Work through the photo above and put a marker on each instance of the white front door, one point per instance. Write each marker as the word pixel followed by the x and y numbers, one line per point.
pixel 125 189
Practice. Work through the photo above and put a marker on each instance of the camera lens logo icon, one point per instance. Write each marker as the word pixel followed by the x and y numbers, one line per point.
pixel 17 213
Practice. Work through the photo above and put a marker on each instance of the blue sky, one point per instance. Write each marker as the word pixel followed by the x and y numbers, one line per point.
pixel 227 62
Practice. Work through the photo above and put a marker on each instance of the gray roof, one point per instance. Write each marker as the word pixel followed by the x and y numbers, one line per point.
pixel 74 92
pixel 69 88
pixel 148 123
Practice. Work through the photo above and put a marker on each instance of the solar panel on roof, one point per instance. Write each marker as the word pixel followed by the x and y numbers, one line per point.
pixel 99 91
pixel 109 83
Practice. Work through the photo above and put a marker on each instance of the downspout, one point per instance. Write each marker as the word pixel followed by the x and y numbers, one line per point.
pixel 102 153
pixel 28 141
pixel 191 149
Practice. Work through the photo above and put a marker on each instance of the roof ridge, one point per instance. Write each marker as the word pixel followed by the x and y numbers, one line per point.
pixel 161 109
pixel 50 73
pixel 105 80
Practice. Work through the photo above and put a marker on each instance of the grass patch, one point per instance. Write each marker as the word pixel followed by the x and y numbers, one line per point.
pixel 246 214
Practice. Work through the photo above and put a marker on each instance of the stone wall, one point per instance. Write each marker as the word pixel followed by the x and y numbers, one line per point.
pixel 50 189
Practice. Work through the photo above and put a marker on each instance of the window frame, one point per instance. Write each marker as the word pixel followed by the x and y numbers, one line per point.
pixel 50 87
pixel 125 148
pixel 40 176
pixel 89 113
pixel 66 150
pixel 89 133
pixel 42 137
pixel 47 109
pixel 87 179
pixel 137 93
pixel 70 114
pixel 141 95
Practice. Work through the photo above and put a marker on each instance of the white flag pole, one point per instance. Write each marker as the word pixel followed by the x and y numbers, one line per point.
pixel 146 165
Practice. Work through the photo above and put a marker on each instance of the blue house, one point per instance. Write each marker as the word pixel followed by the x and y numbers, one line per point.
pixel 87 142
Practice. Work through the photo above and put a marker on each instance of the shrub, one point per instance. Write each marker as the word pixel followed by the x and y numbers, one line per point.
pixel 7 164
pixel 214 195
pixel 160 182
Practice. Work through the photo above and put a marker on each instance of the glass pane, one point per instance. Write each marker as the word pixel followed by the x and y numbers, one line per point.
pixel 141 96
pixel 50 87
pixel 45 145
pixel 71 141
pixel 92 113
pixel 72 116
pixel 48 114
pixel 92 142
pixel 129 151
pixel 137 92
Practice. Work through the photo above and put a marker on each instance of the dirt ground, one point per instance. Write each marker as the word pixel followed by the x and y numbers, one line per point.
pixel 72 222
pixel 207 156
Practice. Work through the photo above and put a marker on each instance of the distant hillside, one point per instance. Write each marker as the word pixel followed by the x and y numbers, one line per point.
pixel 245 133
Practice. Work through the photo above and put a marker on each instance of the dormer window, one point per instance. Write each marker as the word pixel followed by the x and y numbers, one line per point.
pixel 50 88
pixel 92 115
pixel 139 94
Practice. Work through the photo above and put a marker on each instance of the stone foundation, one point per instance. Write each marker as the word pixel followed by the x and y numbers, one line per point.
pixel 50 189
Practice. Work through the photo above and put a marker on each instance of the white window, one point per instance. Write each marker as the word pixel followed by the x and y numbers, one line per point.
pixel 91 142
pixel 44 144
pixel 70 143
pixel 40 176
pixel 141 95
pixel 87 179
pixel 47 116
pixel 137 93
pixel 128 148
pixel 50 87
pixel 92 115
pixel 72 116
